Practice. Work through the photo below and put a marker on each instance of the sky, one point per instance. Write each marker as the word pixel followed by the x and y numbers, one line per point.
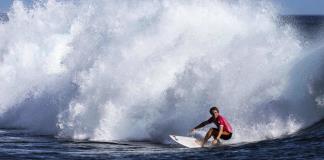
pixel 6 4
pixel 300 7
pixel 286 7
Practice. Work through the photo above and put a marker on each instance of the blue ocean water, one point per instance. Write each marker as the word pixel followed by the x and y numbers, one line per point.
pixel 17 144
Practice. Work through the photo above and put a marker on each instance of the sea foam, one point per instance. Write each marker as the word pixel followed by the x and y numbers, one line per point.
pixel 140 70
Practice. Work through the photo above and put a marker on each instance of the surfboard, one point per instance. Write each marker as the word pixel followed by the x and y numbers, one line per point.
pixel 189 142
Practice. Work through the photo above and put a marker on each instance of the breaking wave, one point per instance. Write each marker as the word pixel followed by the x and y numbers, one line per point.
pixel 140 70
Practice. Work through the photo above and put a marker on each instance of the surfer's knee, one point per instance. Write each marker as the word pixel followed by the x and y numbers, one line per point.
pixel 211 130
pixel 214 132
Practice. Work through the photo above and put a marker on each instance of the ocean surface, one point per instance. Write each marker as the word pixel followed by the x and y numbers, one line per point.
pixel 112 79
pixel 17 144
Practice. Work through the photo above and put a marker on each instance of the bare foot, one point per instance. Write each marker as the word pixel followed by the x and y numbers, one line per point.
pixel 214 142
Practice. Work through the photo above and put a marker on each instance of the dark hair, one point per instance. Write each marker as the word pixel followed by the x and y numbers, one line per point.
pixel 213 108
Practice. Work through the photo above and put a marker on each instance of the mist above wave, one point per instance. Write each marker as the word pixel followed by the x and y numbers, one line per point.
pixel 109 70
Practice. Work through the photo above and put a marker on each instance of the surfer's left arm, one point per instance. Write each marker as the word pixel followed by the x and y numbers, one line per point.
pixel 221 127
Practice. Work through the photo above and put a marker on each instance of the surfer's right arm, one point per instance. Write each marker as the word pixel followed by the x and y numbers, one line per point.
pixel 210 120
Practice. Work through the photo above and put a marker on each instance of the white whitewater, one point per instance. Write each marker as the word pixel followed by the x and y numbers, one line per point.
pixel 130 70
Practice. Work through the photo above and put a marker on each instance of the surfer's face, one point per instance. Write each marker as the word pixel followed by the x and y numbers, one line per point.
pixel 215 113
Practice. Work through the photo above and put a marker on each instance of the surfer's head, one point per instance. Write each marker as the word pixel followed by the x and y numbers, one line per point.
pixel 214 111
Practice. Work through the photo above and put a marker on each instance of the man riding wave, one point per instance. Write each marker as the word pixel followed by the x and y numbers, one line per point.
pixel 223 130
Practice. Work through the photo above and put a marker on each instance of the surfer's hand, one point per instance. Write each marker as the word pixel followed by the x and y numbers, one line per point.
pixel 192 130
pixel 214 142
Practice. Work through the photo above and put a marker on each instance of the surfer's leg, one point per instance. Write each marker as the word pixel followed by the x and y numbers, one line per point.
pixel 215 141
pixel 215 134
pixel 211 132
pixel 225 136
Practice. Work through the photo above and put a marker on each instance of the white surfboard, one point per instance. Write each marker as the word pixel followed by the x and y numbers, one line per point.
pixel 189 142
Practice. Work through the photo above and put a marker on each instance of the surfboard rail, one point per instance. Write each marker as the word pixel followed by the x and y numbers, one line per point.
pixel 189 142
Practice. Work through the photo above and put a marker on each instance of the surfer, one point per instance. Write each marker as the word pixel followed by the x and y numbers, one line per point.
pixel 223 130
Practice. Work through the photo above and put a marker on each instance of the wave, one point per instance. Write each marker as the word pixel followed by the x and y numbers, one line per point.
pixel 128 70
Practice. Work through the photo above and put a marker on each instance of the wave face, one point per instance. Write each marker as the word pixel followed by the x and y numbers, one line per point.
pixel 130 70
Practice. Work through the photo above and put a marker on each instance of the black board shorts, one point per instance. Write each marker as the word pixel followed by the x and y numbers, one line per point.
pixel 224 137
